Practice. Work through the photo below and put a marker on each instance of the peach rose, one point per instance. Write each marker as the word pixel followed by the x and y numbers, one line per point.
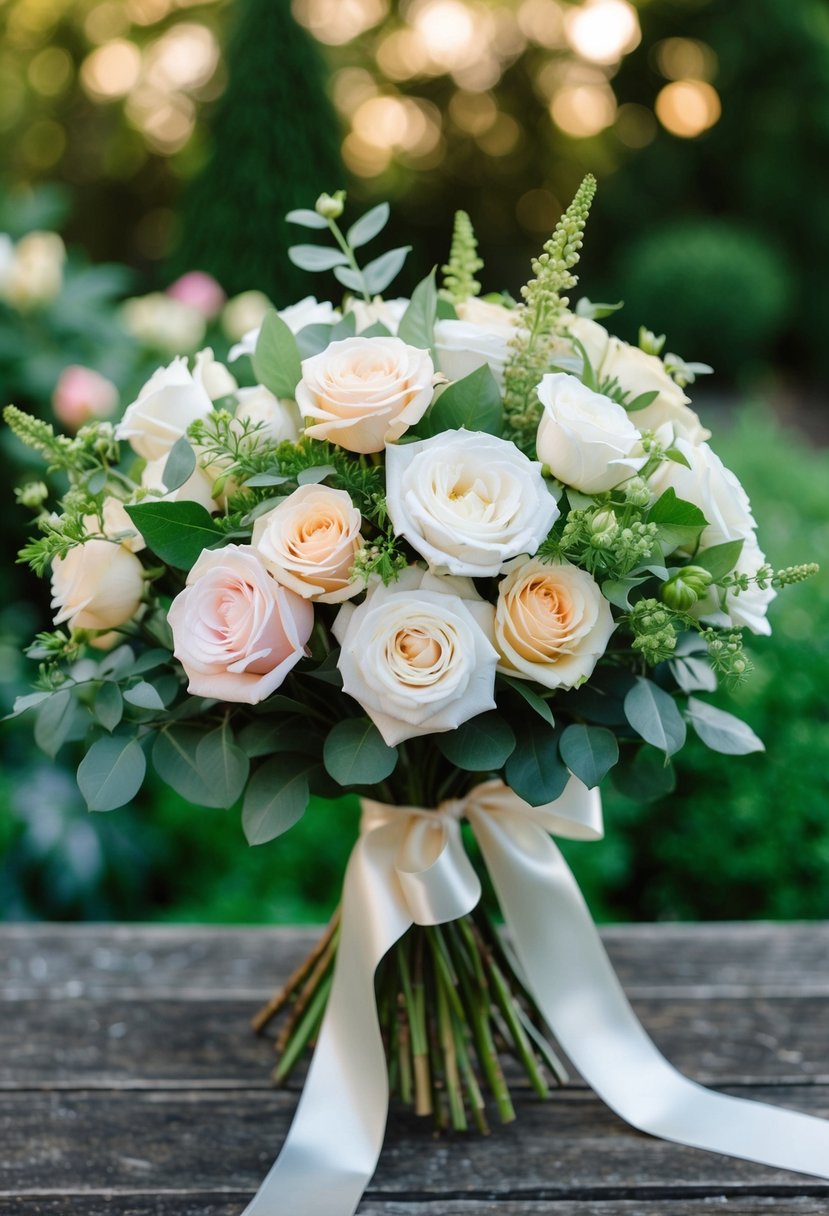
pixel 363 393
pixel 98 585
pixel 236 632
pixel 308 543
pixel 552 623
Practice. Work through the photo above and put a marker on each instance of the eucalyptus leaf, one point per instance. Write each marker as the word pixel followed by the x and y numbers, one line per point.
pixel 310 477
pixel 355 753
pixel 143 696
pixel 111 773
pixel 108 706
pixel 28 701
pixel 721 731
pixel 312 339
pixel 306 218
pixel 654 715
pixel 535 770
pixel 97 480
pixel 265 479
pixel 417 325
pixel 383 270
pixel 266 737
pixel 368 226
pixel 150 660
pixel 276 361
pixel 222 764
pixel 645 778
pixel 617 590
pixel 276 797
pixel 535 701
pixel 175 760
pixel 693 674
pixel 119 662
pixel 180 464
pixel 350 278
pixel 54 722
pixel 316 257
pixel 177 532
pixel 589 752
pixel 346 327
pixel 480 745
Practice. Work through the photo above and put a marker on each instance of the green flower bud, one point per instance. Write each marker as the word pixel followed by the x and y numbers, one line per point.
pixel 33 495
pixel 604 526
pixel 637 492
pixel 330 206
pixel 684 588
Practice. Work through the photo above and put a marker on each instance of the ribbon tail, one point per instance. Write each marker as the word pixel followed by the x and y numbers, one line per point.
pixel 334 1142
pixel 578 993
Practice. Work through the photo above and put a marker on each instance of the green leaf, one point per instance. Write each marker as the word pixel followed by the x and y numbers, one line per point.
pixel 312 339
pixel 143 696
pixel 111 772
pixel 417 325
pixel 617 590
pixel 306 218
pixel 319 472
pixel 642 401
pixel 149 661
pixel 177 532
pixel 368 226
pixel 479 745
pixel 118 663
pixel 54 721
pixel 693 674
pixel 534 770
pixel 276 797
pixel 108 706
pixel 646 778
pixel 535 701
pixel 589 752
pixel 223 766
pixel 720 731
pixel 346 327
pixel 654 714
pixel 175 760
pixel 355 753
pixel 180 464
pixel 352 279
pixel 29 701
pixel 720 560
pixel 380 273
pixel 276 361
pixel 266 479
pixel 668 509
pixel 473 402
pixel 266 737
pixel 316 257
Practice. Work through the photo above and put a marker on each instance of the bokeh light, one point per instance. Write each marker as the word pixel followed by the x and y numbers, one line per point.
pixel 111 70
pixel 685 59
pixel 602 31
pixel 339 21
pixel 688 107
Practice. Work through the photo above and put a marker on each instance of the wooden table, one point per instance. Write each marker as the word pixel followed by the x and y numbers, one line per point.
pixel 132 1086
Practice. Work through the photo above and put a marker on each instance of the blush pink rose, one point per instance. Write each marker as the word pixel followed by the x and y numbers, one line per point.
pixel 81 394
pixel 236 632
pixel 200 291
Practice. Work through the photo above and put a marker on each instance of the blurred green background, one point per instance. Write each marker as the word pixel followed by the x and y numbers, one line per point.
pixel 161 137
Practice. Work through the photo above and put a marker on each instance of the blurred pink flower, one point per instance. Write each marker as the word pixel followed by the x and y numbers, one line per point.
pixel 81 394
pixel 200 291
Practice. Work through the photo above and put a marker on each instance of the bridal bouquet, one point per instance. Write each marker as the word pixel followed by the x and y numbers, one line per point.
pixel 459 555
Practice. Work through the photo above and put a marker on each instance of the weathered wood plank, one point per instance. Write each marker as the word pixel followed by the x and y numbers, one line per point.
pixel 570 1148
pixel 216 963
pixel 142 1044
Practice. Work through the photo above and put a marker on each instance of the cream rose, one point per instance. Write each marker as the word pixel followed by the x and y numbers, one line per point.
pixel 213 376
pixel 386 312
pixel 34 275
pixel 98 585
pixel 467 501
pixel 242 315
pixel 116 525
pixel 296 317
pixel 638 372
pixel 706 482
pixel 480 336
pixel 236 632
pixel 277 420
pixel 587 440
pixel 164 323
pixel 197 488
pixel 166 406
pixel 308 542
pixel 417 656
pixel 592 336
pixel 362 393
pixel 552 623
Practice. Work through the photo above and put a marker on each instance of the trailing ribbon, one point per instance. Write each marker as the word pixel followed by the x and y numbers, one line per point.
pixel 409 867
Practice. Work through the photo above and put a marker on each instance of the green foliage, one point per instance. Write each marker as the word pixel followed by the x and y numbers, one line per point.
pixel 459 281
pixel 177 532
pixel 355 753
pixel 473 402
pixel 276 360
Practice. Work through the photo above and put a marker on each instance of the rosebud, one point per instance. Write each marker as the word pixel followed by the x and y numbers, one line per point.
pixel 330 206
pixel 684 588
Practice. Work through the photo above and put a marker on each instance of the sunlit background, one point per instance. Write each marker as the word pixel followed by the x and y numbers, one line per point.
pixel 164 136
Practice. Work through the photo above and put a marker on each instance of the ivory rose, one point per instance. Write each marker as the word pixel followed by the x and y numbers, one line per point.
pixel 587 440
pixel 308 542
pixel 277 420
pixel 164 323
pixel 386 312
pixel 116 525
pixel 552 623
pixel 706 482
pixel 295 316
pixel 33 271
pixel 362 393
pixel 467 501
pixel 638 372
pixel 97 585
pixel 197 488
pixel 417 654
pixel 236 632
pixel 166 406
pixel 212 375
pixel 480 336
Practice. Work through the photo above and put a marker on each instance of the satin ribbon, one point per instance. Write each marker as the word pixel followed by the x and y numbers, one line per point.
pixel 409 867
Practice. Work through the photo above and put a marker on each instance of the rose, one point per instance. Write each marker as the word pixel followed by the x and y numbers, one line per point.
pixel 708 484
pixel 212 375
pixel 386 312
pixel 592 336
pixel 97 585
pixel 308 542
pixel 638 372
pixel 552 623
pixel 276 420
pixel 81 394
pixel 166 406
pixel 740 609
pixel 166 324
pixel 587 440
pixel 34 275
pixel 197 488
pixel 417 656
pixel 115 524
pixel 362 393
pixel 236 632
pixel 200 291
pixel 479 337
pixel 296 317
pixel 243 314
pixel 467 501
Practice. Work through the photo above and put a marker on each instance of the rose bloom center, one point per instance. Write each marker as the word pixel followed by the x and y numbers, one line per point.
pixel 240 616
pixel 417 656
pixel 315 535
pixel 544 614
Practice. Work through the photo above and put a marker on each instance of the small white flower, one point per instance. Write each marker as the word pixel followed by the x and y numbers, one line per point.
pixel 386 312
pixel 212 375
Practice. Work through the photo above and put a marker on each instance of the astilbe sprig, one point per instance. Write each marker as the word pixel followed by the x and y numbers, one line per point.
pixel 459 281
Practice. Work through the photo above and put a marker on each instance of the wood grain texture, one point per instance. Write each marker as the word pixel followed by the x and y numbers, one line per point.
pixel 130 1084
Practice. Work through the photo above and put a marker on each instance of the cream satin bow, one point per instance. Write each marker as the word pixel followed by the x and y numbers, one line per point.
pixel 409 867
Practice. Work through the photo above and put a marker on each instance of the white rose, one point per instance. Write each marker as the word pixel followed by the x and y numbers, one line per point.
pixel 243 313
pixel 592 336
pixel 309 541
pixel 35 274
pixel 98 585
pixel 638 372
pixel 363 393
pixel 277 420
pixel 552 623
pixel 212 375
pixel 417 656
pixel 706 482
pixel 166 406
pixel 467 501
pixel 587 440
pixel 479 337
pixel 160 321
pixel 197 488
pixel 386 312
pixel 296 317
pixel 741 609
pixel 236 632
pixel 116 525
